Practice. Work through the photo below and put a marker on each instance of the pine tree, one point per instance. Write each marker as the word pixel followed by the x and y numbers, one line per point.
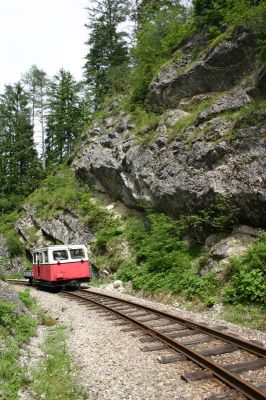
pixel 107 47
pixel 36 82
pixel 19 164
pixel 65 119
pixel 147 10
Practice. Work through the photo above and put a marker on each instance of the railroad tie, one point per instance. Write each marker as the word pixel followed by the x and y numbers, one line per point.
pixel 156 347
pixel 207 352
pixel 237 368
pixel 138 314
pixel 183 333
pixel 246 365
pixel 132 329
pixel 172 329
pixel 122 323
pixel 261 386
pixel 197 376
pixel 227 395
pixel 171 359
pixel 202 339
pixel 148 339
pixel 151 318
pixel 113 318
pixel 215 351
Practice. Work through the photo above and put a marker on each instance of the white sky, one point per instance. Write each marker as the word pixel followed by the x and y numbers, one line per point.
pixel 48 33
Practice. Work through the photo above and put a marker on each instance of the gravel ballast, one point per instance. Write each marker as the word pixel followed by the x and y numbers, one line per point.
pixel 109 362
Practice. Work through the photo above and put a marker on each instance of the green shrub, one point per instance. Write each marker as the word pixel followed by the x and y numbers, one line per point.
pixel 127 271
pixel 14 245
pixel 248 275
pixel 156 41
pixel 106 234
pixel 60 192
pixel 27 299
pixel 247 287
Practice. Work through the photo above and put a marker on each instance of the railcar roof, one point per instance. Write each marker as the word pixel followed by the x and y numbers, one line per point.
pixel 60 247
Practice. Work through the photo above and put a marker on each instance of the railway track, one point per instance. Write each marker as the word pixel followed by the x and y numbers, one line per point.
pixel 159 330
pixel 23 282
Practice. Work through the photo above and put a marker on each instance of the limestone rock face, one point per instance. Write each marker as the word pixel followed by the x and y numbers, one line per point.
pixel 233 245
pixel 232 101
pixel 3 248
pixel 191 160
pixel 260 80
pixel 183 176
pixel 9 265
pixel 219 69
pixel 65 228
pixel 8 294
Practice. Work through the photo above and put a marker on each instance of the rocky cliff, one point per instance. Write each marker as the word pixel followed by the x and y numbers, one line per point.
pixel 207 142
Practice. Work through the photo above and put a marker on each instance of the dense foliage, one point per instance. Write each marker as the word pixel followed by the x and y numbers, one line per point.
pixel 160 260
pixel 20 168
pixel 15 330
pixel 65 119
pixel 36 82
pixel 108 57
pixel 60 192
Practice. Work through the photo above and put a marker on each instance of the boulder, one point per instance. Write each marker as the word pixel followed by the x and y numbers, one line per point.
pixel 219 69
pixel 3 247
pixel 260 80
pixel 117 284
pixel 8 294
pixel 232 101
pixel 220 249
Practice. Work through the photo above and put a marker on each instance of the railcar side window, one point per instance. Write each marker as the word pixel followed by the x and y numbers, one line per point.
pixel 60 255
pixel 45 257
pixel 77 253
pixel 40 258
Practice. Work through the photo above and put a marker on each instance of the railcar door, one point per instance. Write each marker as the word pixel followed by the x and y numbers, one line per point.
pixel 39 261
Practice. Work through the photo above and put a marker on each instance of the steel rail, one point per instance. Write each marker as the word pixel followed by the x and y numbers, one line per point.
pixel 18 281
pixel 248 346
pixel 221 373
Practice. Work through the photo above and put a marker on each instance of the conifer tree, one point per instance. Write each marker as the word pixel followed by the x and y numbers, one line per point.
pixel 64 120
pixel 146 10
pixel 36 82
pixel 107 46
pixel 19 164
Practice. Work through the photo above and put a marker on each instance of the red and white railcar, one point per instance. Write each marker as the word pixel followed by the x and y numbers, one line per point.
pixel 59 266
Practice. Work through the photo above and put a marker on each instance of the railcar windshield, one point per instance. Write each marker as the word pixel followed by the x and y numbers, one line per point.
pixel 77 253
pixel 60 255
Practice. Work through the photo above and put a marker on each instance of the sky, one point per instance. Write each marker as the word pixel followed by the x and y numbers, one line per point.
pixel 48 33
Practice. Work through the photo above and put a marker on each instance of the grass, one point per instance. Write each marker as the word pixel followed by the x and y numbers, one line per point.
pixel 15 331
pixel 250 316
pixel 145 125
pixel 54 378
pixel 181 125
pixel 62 192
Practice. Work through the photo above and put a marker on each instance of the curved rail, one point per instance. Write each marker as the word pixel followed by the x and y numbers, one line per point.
pixel 245 345
pixel 248 390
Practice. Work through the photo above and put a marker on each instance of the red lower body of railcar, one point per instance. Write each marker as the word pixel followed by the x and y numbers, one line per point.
pixel 61 274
